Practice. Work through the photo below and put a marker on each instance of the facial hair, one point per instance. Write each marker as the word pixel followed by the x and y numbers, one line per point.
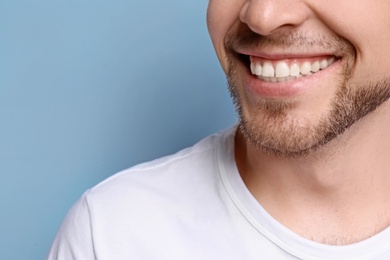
pixel 278 133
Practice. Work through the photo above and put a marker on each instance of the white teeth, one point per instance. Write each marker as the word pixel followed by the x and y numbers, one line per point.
pixel 282 69
pixel 258 69
pixel 268 70
pixel 315 66
pixel 283 72
pixel 253 68
pixel 295 70
pixel 323 64
pixel 305 68
pixel 331 61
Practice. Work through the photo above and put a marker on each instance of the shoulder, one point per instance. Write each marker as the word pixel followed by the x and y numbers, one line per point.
pixel 177 173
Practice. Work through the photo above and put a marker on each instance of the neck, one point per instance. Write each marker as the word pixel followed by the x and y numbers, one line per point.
pixel 326 195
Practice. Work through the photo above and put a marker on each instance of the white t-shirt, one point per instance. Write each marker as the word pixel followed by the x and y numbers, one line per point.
pixel 190 205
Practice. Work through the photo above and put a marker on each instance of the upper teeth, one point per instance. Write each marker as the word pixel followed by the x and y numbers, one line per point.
pixel 281 71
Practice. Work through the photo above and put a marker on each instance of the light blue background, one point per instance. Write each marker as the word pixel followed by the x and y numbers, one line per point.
pixel 88 88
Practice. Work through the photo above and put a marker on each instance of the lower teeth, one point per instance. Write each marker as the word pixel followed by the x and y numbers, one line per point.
pixel 280 79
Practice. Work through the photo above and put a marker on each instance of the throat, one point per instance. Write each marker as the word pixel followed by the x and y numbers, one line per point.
pixel 339 205
pixel 338 234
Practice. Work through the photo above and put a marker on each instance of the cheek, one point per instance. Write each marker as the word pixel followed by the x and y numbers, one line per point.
pixel 212 14
pixel 366 25
pixel 222 15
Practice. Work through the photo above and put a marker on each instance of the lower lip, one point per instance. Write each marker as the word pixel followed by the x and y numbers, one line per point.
pixel 288 89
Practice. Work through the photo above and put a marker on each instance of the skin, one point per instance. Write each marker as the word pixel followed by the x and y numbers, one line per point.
pixel 315 158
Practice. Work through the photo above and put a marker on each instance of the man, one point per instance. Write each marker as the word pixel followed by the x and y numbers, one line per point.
pixel 304 175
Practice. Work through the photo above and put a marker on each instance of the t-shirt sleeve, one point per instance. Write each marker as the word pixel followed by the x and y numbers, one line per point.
pixel 74 240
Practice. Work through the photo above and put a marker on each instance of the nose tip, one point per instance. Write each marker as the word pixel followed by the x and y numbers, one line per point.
pixel 266 17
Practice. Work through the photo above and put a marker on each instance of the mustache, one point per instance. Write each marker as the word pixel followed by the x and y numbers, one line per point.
pixel 244 37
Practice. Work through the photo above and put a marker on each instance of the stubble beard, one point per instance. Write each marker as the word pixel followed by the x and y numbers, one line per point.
pixel 280 134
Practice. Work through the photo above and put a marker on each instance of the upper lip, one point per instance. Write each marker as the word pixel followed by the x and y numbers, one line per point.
pixel 280 54
pixel 283 55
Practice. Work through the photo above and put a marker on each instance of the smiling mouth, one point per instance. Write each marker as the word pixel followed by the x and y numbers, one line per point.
pixel 288 69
